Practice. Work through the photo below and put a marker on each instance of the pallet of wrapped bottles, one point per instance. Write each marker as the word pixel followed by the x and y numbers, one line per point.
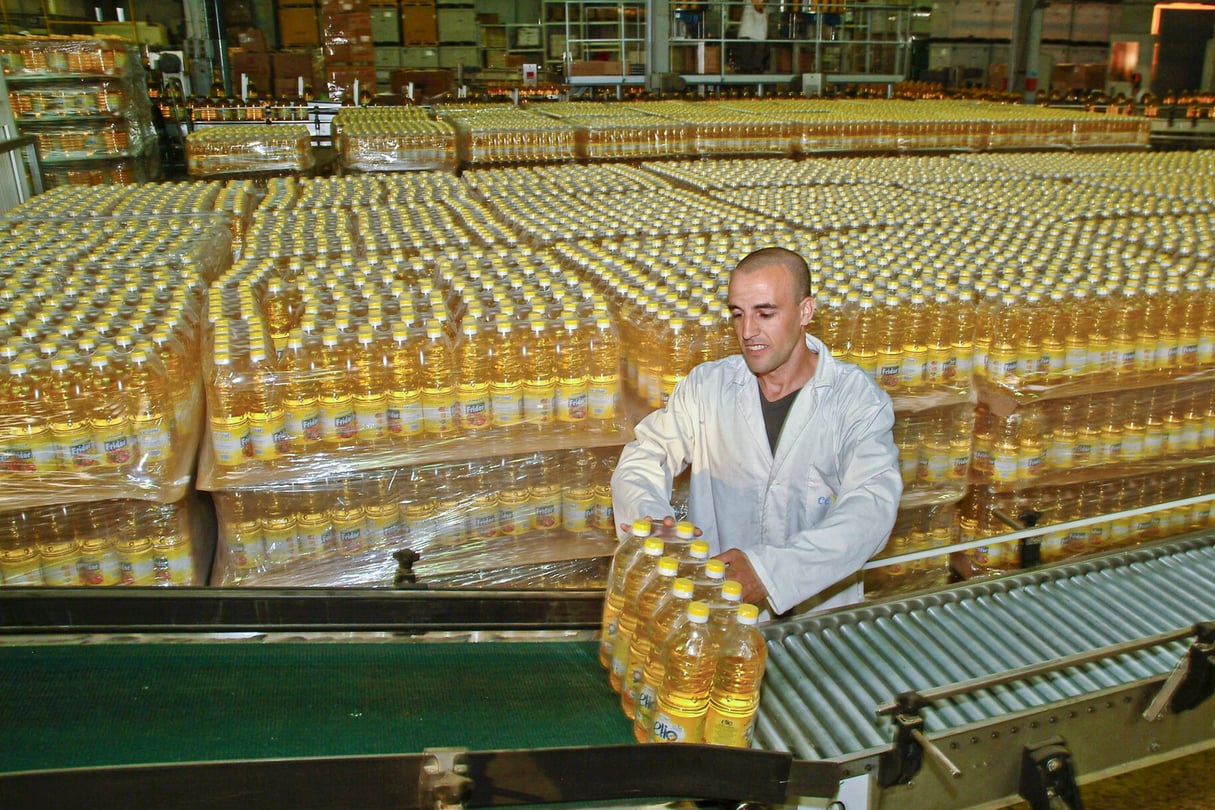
pixel 342 347
pixel 100 394
pixel 249 148
pixel 1117 500
pixel 84 100
pixel 99 543
pixel 534 520
pixel 494 133
pixel 916 529
pixel 393 139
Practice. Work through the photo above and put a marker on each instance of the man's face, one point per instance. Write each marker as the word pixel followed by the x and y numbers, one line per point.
pixel 769 319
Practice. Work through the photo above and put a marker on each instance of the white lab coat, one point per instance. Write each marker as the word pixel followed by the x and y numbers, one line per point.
pixel 807 519
pixel 754 23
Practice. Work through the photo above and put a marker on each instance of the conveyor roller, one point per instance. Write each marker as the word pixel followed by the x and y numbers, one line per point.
pixel 1094 634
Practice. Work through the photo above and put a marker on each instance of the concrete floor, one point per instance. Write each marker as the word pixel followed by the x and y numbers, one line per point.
pixel 1182 784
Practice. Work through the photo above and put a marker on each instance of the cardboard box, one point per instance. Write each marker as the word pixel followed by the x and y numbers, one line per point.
pixel 289 64
pixel 457 25
pixel 358 27
pixel 249 62
pixel 386 26
pixel 597 68
pixel 387 57
pixel 345 6
pixel 361 53
pixel 289 88
pixel 417 57
pixel 427 83
pixel 251 40
pixel 452 56
pixel 338 52
pixel 297 26
pixel 419 25
pixel 341 81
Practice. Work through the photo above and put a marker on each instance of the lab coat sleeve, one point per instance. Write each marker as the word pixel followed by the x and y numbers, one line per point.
pixel 661 450
pixel 854 528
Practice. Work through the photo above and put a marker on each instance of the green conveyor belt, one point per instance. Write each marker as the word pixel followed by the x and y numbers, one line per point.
pixel 67 706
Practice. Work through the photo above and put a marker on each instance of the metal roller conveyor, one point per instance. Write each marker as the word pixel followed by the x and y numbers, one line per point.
pixel 1018 687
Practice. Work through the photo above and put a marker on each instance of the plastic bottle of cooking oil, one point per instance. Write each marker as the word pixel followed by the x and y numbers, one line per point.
pixel 985 311
pixel 688 666
pixel 370 387
pixel 506 376
pixel 335 391
pixel 573 370
pixel 1150 331
pixel 670 611
pixel 940 370
pixel 1189 330
pixel 28 409
pixel 1125 332
pixel 890 346
pixel 403 411
pixel 578 491
pixel 631 644
pixel 739 671
pixel 604 516
pixel 544 493
pixel 348 519
pixel 1006 336
pixel 603 369
pixel 106 387
pixel 278 311
pixel 438 388
pixel 267 418
pixel 863 342
pixel 627 553
pixel 150 407
pixel 539 375
pixel 1079 333
pixel 297 371
pixel 917 333
pixel 1030 339
pixel 1206 341
pixel 474 409
pixel 280 528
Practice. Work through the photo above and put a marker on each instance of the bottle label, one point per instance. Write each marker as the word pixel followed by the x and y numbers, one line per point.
pixel 245 546
pixel 571 401
pixel 31 449
pixel 1187 352
pixel 939 359
pixel 959 462
pixel 1154 443
pixel 1004 467
pixel 152 433
pixel 1191 437
pixel 667 386
pixel 888 369
pixel 538 404
pixel 348 526
pixel 171 564
pixel 733 731
pixel 603 396
pixel 136 566
pixel 60 573
pixel 546 506
pixel 514 515
pixel 421 523
pixel 1206 350
pixel 603 517
pixel 115 442
pixel 439 412
pixel 1132 446
pixel 303 421
pixel 474 409
pixel 670 729
pixel 507 405
pixel 268 432
pixel 1077 360
pixel 371 421
pixel 98 568
pixel 964 365
pixel 311 531
pixel 1029 465
pixel 278 539
pixel 384 527
pixel 403 416
pixel 337 419
pixel 577 509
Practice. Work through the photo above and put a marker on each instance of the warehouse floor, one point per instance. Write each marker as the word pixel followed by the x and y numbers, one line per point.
pixel 1183 784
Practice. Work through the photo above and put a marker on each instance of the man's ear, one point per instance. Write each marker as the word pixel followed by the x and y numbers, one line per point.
pixel 808 309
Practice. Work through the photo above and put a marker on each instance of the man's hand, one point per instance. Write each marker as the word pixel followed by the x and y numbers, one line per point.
pixel 738 568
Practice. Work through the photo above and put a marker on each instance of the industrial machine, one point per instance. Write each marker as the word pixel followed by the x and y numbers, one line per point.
pixel 978 694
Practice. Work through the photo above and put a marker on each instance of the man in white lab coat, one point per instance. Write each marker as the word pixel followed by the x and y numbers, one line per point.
pixel 795 476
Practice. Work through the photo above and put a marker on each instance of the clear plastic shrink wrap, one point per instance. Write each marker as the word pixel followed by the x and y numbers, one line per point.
pixel 249 148
pixel 533 520
pixel 119 542
pixel 393 139
pixel 100 392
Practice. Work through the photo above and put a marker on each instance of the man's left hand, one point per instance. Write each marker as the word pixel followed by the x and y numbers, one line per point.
pixel 738 568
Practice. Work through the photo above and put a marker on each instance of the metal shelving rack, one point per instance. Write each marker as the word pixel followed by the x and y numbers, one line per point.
pixel 606 43
pixel 841 43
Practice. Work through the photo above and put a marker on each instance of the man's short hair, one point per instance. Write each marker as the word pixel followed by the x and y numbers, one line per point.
pixel 783 257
